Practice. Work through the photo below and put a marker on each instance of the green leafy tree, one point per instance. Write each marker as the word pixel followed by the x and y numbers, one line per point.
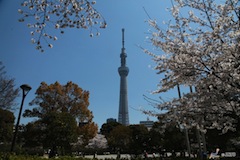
pixel 60 131
pixel 108 127
pixel 119 139
pixel 156 138
pixel 174 139
pixel 216 139
pixel 6 127
pixel 139 139
pixel 59 109
pixel 33 135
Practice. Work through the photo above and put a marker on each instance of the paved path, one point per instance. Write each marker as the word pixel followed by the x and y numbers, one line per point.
pixel 113 156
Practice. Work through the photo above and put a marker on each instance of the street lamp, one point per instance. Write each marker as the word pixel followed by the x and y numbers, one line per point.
pixel 25 88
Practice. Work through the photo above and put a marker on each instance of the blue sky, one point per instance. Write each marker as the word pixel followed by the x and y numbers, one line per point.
pixel 92 63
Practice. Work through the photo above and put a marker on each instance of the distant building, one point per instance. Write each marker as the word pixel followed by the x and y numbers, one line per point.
pixel 147 123
pixel 111 120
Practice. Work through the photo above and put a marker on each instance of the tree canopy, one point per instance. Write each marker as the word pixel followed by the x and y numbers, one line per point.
pixel 200 48
pixel 60 109
pixel 139 139
pixel 119 138
pixel 6 126
pixel 61 98
pixel 108 127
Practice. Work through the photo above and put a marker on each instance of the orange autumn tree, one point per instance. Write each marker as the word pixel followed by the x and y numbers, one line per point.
pixel 56 100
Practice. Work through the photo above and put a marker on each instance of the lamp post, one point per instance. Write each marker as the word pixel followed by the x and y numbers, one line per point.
pixel 25 88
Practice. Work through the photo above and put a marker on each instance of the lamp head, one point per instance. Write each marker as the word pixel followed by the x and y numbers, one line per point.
pixel 26 87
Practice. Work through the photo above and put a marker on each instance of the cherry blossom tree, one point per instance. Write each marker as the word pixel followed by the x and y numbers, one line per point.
pixel 200 49
pixel 98 142
pixel 45 15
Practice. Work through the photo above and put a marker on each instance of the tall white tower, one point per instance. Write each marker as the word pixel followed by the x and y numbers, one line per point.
pixel 123 70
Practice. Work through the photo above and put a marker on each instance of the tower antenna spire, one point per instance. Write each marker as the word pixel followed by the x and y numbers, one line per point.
pixel 122 37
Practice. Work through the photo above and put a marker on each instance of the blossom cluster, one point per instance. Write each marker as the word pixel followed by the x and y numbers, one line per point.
pixel 200 48
pixel 59 14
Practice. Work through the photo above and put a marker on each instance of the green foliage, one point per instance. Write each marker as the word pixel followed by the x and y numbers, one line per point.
pixel 60 130
pixel 6 125
pixel 54 130
pixel 108 127
pixel 156 138
pixel 174 139
pixel 33 135
pixel 139 139
pixel 7 156
pixel 216 139
pixel 120 138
